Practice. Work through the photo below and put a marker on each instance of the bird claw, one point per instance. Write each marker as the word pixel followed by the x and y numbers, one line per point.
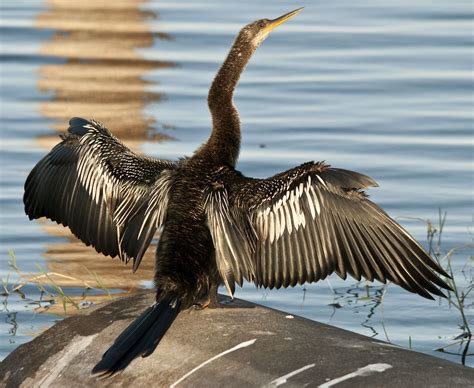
pixel 220 302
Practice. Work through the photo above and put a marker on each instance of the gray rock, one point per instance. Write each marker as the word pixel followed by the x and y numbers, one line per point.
pixel 264 348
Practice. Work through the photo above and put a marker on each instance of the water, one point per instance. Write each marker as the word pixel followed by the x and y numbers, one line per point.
pixel 382 88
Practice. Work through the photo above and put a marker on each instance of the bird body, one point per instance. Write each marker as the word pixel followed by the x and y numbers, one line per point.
pixel 185 255
pixel 219 226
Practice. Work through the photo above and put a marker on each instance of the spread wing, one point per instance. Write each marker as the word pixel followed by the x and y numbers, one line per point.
pixel 109 197
pixel 306 223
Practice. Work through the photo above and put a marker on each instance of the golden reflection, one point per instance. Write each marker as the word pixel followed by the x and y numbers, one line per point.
pixel 101 78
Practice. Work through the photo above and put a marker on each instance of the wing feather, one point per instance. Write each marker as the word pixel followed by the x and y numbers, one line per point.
pixel 230 237
pixel 101 190
pixel 314 220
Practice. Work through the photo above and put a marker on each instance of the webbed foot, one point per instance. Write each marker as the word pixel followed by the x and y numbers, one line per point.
pixel 221 301
pixel 213 300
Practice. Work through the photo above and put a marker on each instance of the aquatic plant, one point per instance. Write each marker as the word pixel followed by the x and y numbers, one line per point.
pixel 44 281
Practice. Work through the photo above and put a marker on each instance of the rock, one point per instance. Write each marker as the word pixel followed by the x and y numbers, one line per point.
pixel 234 347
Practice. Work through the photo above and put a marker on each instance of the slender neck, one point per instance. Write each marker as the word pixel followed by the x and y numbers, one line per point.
pixel 224 142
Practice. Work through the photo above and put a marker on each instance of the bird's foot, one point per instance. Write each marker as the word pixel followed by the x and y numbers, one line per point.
pixel 223 302
pixel 202 304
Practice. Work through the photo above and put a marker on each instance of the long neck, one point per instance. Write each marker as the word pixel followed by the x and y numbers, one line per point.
pixel 224 143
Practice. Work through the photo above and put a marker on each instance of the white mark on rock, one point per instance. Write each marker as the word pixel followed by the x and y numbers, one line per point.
pixel 262 332
pixel 237 347
pixel 62 359
pixel 289 317
pixel 365 371
pixel 283 379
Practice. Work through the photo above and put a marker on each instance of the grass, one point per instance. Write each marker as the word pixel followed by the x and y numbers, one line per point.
pixel 372 296
pixel 46 284
pixel 458 297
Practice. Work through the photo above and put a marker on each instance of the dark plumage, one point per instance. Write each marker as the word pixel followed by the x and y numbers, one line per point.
pixel 219 227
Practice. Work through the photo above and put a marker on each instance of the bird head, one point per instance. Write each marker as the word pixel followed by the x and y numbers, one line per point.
pixel 256 32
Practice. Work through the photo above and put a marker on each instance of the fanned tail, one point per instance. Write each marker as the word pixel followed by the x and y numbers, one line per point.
pixel 140 338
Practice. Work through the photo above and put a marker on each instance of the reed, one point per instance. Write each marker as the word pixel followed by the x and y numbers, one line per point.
pixel 46 284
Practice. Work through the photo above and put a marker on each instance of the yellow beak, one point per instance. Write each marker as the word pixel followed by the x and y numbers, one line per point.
pixel 282 19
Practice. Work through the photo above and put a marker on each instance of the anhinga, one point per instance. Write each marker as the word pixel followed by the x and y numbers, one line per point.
pixel 218 226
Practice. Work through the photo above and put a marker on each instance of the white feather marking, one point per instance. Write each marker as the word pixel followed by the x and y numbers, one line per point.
pixel 288 216
pixel 310 202
pixel 278 204
pixel 264 225
pixel 271 227
pixel 277 224
pixel 299 212
pixel 315 199
pixel 259 224
pixel 301 190
pixel 156 209
pixel 85 177
pixel 294 211
pixel 267 210
pixel 302 219
pixel 321 180
pixel 282 221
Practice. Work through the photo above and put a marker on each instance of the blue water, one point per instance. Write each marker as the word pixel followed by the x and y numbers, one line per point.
pixel 383 88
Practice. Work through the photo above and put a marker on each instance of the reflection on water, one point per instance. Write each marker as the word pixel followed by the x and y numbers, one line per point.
pixel 101 75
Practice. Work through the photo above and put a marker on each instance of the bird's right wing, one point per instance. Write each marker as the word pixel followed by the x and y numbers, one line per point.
pixel 109 197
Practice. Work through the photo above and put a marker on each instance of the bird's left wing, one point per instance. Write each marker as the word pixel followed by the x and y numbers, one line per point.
pixel 109 197
pixel 302 225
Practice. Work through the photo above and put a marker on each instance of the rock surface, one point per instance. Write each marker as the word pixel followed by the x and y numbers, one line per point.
pixel 234 347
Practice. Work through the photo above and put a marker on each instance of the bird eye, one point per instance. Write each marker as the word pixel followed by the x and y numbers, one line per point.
pixel 261 24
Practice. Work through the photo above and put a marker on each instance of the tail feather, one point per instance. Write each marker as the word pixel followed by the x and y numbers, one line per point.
pixel 140 338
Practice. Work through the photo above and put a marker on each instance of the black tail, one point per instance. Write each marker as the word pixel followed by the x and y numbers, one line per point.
pixel 140 338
